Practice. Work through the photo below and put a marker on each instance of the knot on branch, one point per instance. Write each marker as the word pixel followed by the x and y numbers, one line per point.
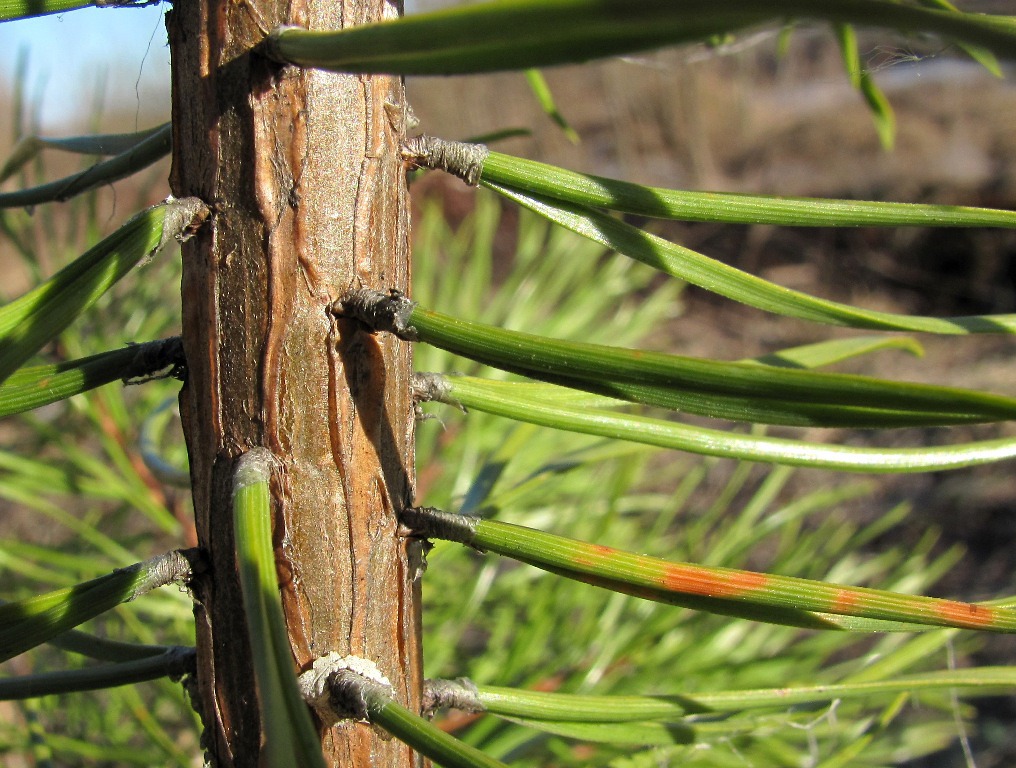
pixel 184 216
pixel 460 693
pixel 161 359
pixel 270 48
pixel 379 311
pixel 343 688
pixel 455 157
pixel 430 387
pixel 430 523
pixel 181 662
pixel 253 466
pixel 179 566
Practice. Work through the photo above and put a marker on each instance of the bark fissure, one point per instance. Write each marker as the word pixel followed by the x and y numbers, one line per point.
pixel 305 180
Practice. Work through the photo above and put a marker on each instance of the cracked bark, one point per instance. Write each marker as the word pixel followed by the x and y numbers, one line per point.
pixel 303 173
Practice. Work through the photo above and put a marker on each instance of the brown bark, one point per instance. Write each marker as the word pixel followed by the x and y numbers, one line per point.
pixel 303 174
